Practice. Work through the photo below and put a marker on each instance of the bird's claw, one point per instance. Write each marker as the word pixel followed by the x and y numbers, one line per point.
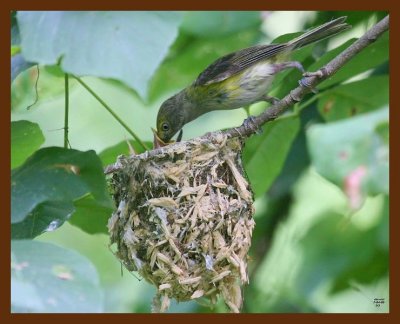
pixel 321 73
pixel 306 84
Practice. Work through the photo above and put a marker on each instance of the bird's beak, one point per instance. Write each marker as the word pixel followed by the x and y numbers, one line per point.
pixel 157 142
pixel 179 138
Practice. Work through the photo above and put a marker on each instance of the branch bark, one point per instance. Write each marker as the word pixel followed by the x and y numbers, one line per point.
pixel 295 95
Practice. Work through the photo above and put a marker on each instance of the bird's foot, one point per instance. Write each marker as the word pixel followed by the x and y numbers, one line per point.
pixel 304 82
pixel 321 73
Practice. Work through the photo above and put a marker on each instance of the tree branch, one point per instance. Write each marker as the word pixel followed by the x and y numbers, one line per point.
pixel 295 95
pixel 247 129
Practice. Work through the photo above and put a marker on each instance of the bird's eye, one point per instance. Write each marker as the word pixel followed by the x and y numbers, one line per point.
pixel 165 127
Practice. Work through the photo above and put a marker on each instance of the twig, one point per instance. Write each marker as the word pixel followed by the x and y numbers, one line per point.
pixel 297 94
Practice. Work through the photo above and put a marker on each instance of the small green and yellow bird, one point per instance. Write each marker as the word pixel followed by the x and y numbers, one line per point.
pixel 236 80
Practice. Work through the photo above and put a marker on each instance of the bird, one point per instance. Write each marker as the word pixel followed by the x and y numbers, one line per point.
pixel 236 80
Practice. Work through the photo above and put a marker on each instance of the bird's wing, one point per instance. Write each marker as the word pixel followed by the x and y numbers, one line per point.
pixel 236 62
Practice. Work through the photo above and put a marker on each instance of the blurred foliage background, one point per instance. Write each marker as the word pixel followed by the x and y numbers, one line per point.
pixel 320 173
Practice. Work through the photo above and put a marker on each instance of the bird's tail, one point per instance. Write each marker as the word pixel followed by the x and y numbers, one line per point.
pixel 319 33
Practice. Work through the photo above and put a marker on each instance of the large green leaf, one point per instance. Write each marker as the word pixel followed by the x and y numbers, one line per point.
pixel 46 216
pixel 297 160
pixel 344 254
pixel 127 46
pixel 45 186
pixel 219 23
pixel 353 153
pixel 26 138
pixel 265 154
pixel 90 216
pixel 353 98
pixel 48 278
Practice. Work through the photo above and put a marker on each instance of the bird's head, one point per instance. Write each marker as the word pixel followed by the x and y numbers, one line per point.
pixel 170 118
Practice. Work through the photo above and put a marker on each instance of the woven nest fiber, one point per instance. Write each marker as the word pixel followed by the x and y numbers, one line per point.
pixel 184 220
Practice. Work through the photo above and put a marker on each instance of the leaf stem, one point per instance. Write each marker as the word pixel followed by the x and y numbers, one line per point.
pixel 112 112
pixel 66 129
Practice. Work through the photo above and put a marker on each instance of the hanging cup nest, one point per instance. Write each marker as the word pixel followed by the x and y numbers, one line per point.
pixel 185 219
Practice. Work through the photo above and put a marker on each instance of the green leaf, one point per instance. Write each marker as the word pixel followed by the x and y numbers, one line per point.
pixel 297 160
pixel 353 98
pixel 127 46
pixel 110 154
pixel 90 216
pixel 26 138
pixel 265 154
pixel 219 23
pixel 343 254
pixel 24 297
pixel 46 217
pixel 371 57
pixel 364 272
pixel 50 179
pixel 51 279
pixel 344 150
